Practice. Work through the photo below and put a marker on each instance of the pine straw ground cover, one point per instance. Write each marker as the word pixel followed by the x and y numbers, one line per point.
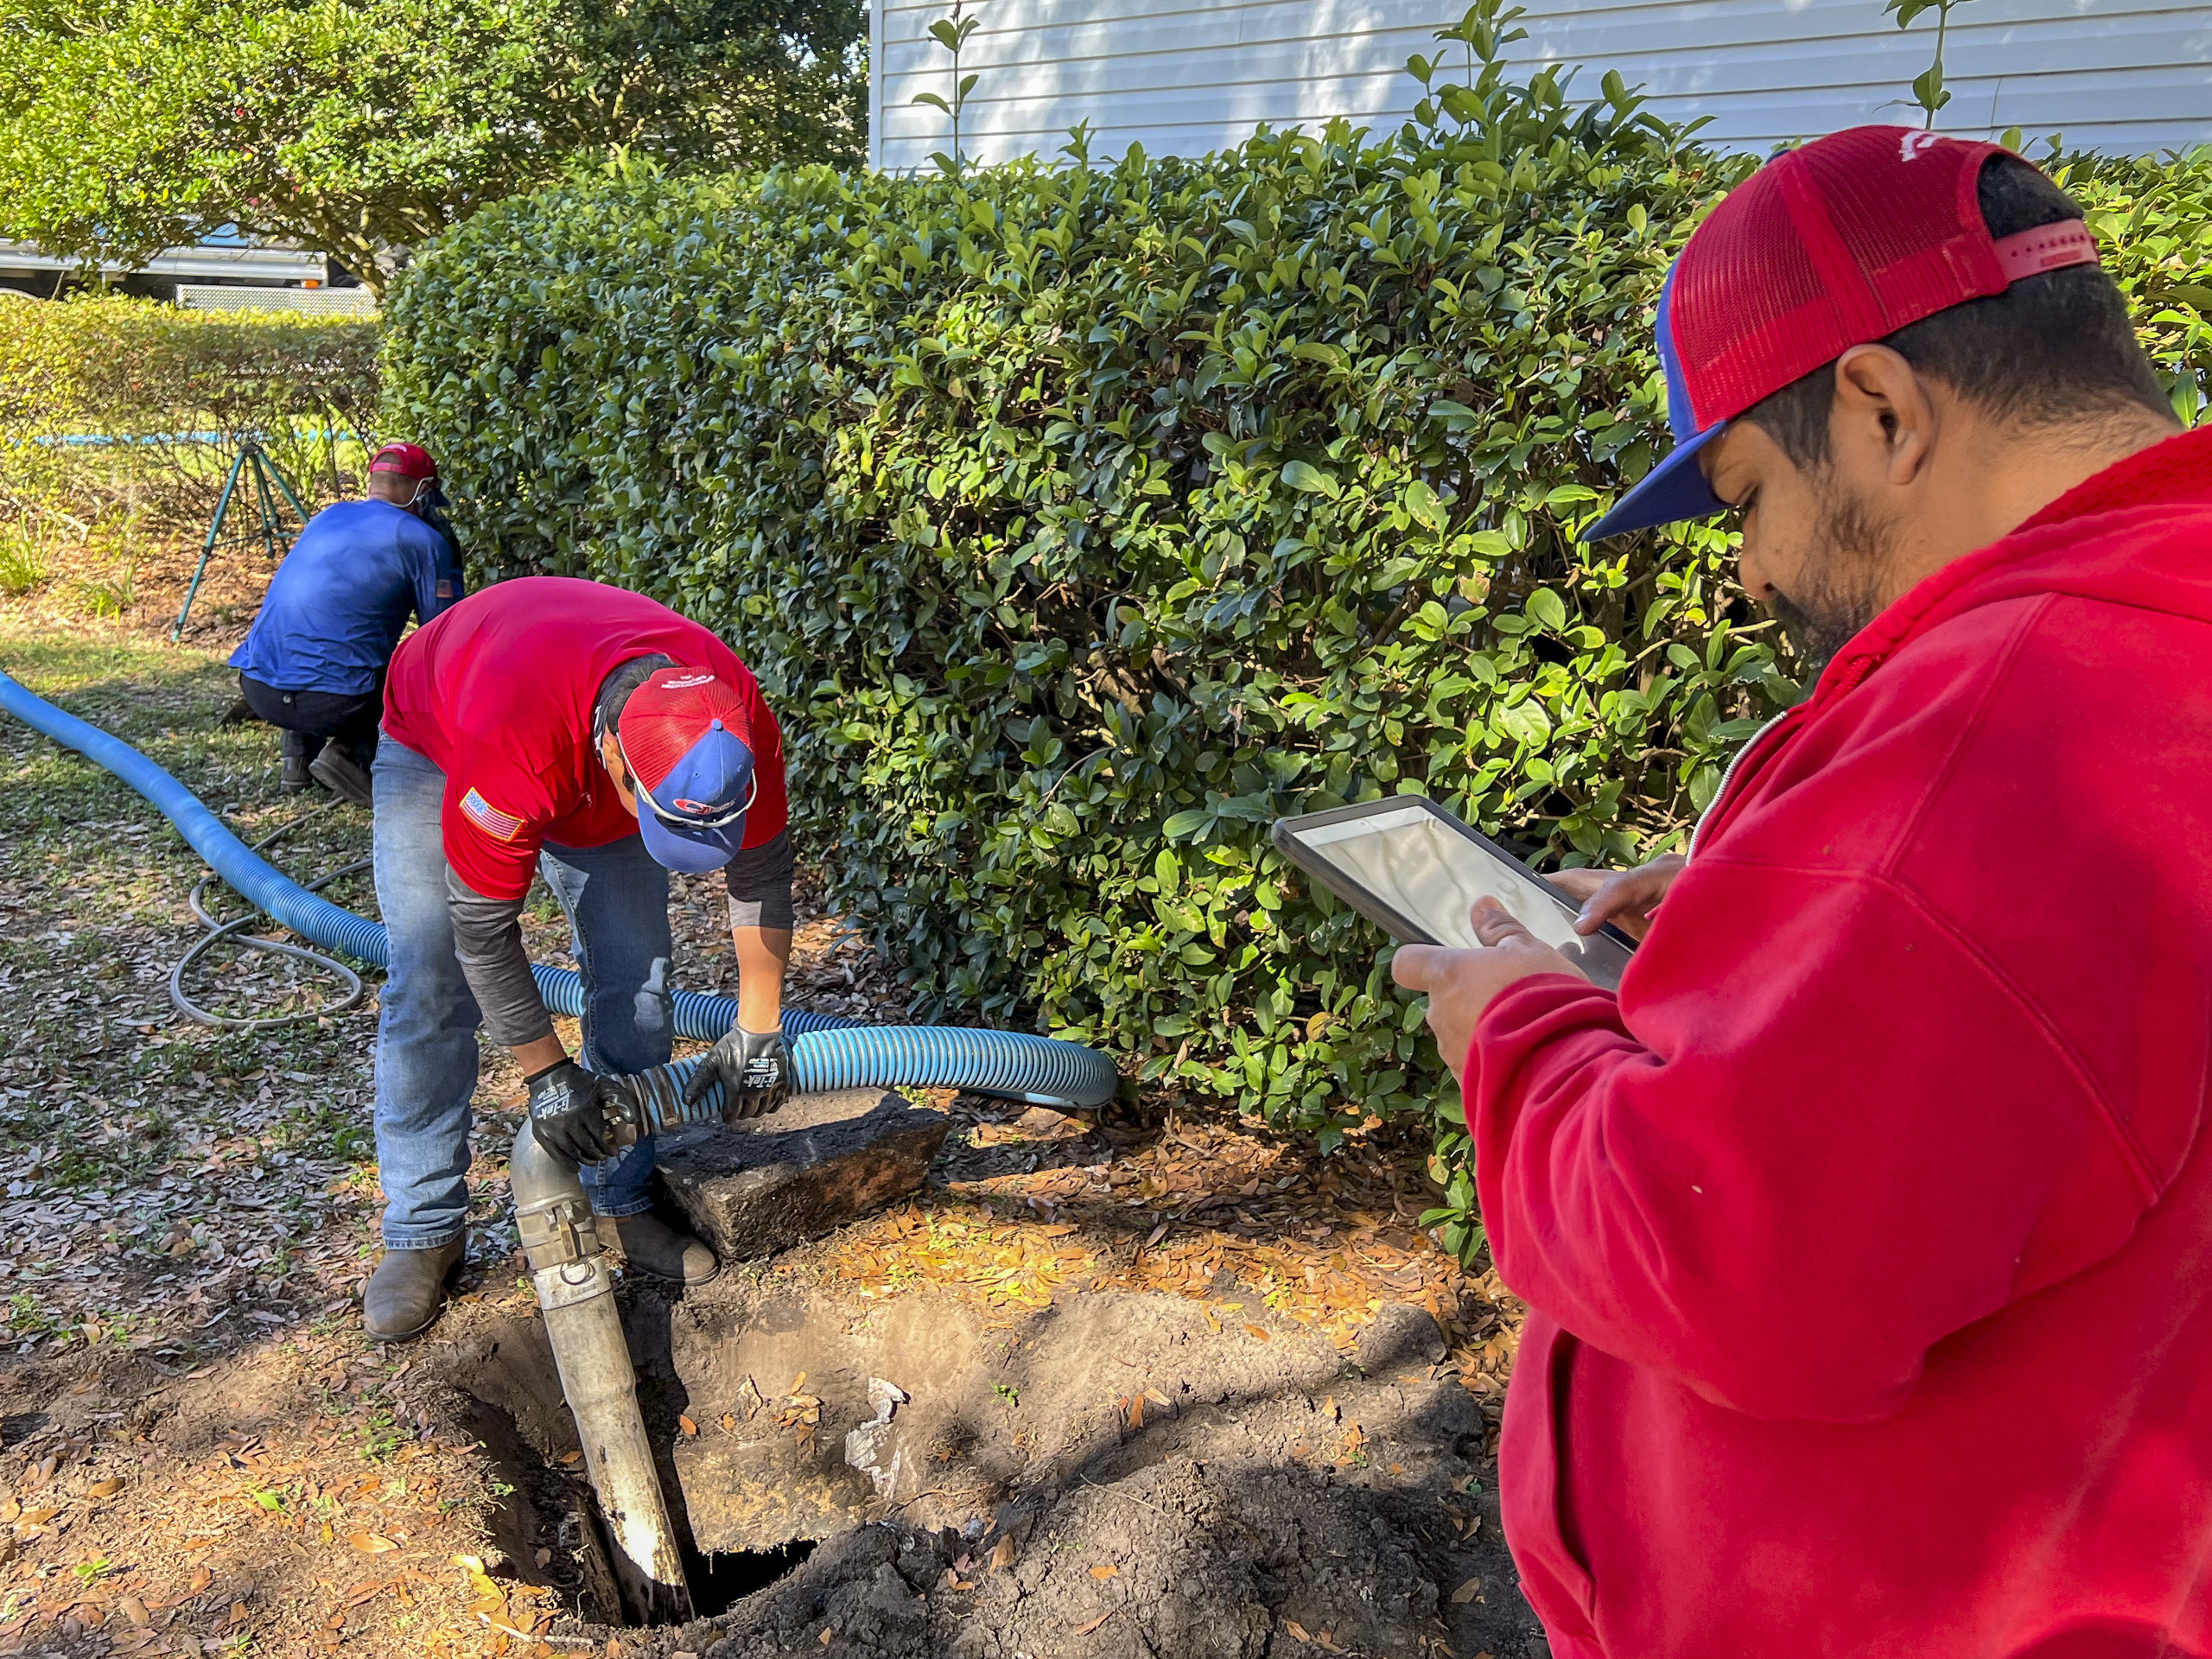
pixel 1195 1207
pixel 199 1454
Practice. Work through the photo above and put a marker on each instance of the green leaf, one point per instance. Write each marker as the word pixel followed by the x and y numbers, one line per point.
pixel 1310 479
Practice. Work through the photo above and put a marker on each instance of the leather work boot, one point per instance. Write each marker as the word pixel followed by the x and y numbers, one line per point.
pixel 296 763
pixel 649 1245
pixel 408 1291
pixel 340 773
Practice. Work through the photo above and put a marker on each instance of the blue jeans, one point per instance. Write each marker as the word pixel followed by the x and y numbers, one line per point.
pixel 617 901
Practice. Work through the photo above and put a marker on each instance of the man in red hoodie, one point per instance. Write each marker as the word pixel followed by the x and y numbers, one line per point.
pixel 1867 1232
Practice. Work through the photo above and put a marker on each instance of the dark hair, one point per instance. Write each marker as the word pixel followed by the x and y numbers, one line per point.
pixel 2049 350
pixel 614 691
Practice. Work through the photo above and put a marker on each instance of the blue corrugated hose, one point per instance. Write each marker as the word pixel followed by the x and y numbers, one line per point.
pixel 826 1053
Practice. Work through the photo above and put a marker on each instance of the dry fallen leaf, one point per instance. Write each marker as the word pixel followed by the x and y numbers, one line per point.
pixel 570 1459
pixel 687 1425
pixel 1003 1554
pixel 1257 1332
pixel 107 1488
pixel 370 1543
pixel 1107 1571
pixel 38 1517
pixel 134 1610
pixel 828 1632
pixel 200 1580
pixel 1297 1630
pixel 1214 1320
pixel 1085 1630
pixel 1467 1593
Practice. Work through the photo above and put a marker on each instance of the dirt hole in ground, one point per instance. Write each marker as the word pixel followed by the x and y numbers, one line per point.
pixel 1114 1473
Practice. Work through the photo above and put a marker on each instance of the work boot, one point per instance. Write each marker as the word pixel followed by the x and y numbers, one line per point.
pixel 651 1246
pixel 296 756
pixel 340 773
pixel 407 1291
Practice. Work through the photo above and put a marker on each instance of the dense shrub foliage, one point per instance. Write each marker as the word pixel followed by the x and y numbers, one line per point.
pixel 165 393
pixel 1081 520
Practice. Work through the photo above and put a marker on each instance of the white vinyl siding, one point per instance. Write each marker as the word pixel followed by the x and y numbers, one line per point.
pixel 1184 76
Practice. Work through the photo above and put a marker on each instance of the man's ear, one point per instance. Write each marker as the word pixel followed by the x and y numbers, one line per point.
pixel 1883 421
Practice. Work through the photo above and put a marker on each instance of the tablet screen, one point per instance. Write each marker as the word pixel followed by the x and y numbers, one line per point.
pixel 1425 866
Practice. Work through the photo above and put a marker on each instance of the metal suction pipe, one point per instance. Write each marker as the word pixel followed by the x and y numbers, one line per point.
pixel 576 1292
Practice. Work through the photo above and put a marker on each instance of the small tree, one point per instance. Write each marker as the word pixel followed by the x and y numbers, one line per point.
pixel 360 127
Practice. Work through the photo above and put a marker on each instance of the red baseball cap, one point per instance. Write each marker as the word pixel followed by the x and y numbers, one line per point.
pixel 408 459
pixel 688 742
pixel 1830 246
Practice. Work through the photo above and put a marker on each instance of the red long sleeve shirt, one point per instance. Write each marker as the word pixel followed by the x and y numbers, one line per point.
pixel 1867 1235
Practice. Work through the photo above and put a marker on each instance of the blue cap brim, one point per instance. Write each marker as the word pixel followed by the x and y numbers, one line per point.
pixel 694 854
pixel 1674 490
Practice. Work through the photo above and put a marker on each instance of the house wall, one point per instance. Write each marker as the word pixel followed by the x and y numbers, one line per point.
pixel 1186 76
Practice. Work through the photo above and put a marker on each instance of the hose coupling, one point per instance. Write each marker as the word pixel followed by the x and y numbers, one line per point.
pixel 557 1231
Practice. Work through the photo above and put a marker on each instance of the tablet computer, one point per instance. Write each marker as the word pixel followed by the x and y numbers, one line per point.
pixel 1416 871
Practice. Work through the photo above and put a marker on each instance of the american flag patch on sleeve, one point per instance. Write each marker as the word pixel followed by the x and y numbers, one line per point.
pixel 500 826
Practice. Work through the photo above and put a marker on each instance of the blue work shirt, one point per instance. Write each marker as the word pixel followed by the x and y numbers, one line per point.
pixel 339 601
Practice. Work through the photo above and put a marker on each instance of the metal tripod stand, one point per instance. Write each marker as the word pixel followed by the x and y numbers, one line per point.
pixel 267 482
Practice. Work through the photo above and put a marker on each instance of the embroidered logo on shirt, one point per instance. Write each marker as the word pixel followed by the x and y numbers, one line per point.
pixel 500 826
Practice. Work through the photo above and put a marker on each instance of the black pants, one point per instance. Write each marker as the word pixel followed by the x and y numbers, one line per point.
pixel 311 718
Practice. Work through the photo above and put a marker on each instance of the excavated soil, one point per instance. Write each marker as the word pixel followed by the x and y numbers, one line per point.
pixel 1109 1475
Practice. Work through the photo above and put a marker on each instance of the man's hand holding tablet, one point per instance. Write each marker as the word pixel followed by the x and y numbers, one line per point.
pixel 1470 918
pixel 1461 983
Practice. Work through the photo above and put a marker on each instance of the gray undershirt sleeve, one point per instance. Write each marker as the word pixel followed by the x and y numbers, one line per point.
pixel 760 885
pixel 488 940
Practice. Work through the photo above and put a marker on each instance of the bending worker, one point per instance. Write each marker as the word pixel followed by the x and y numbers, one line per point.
pixel 559 727
pixel 1864 1233
pixel 313 664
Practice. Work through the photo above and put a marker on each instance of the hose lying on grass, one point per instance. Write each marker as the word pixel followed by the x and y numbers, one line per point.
pixel 827 1051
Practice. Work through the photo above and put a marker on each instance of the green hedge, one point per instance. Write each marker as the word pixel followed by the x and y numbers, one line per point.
pixel 149 377
pixel 1081 520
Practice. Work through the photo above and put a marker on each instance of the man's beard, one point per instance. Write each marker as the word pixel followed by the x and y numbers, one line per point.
pixel 1839 591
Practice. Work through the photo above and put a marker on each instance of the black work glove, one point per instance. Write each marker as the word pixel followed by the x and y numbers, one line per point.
pixel 753 1068
pixel 570 1109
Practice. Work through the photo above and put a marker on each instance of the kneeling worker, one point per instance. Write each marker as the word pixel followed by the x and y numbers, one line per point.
pixel 562 726
pixel 313 664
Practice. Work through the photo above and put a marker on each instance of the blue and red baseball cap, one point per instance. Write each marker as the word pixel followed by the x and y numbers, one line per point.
pixel 1832 244
pixel 687 739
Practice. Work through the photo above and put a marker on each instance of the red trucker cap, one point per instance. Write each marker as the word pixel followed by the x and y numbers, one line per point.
pixel 408 459
pixel 687 737
pixel 1830 246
